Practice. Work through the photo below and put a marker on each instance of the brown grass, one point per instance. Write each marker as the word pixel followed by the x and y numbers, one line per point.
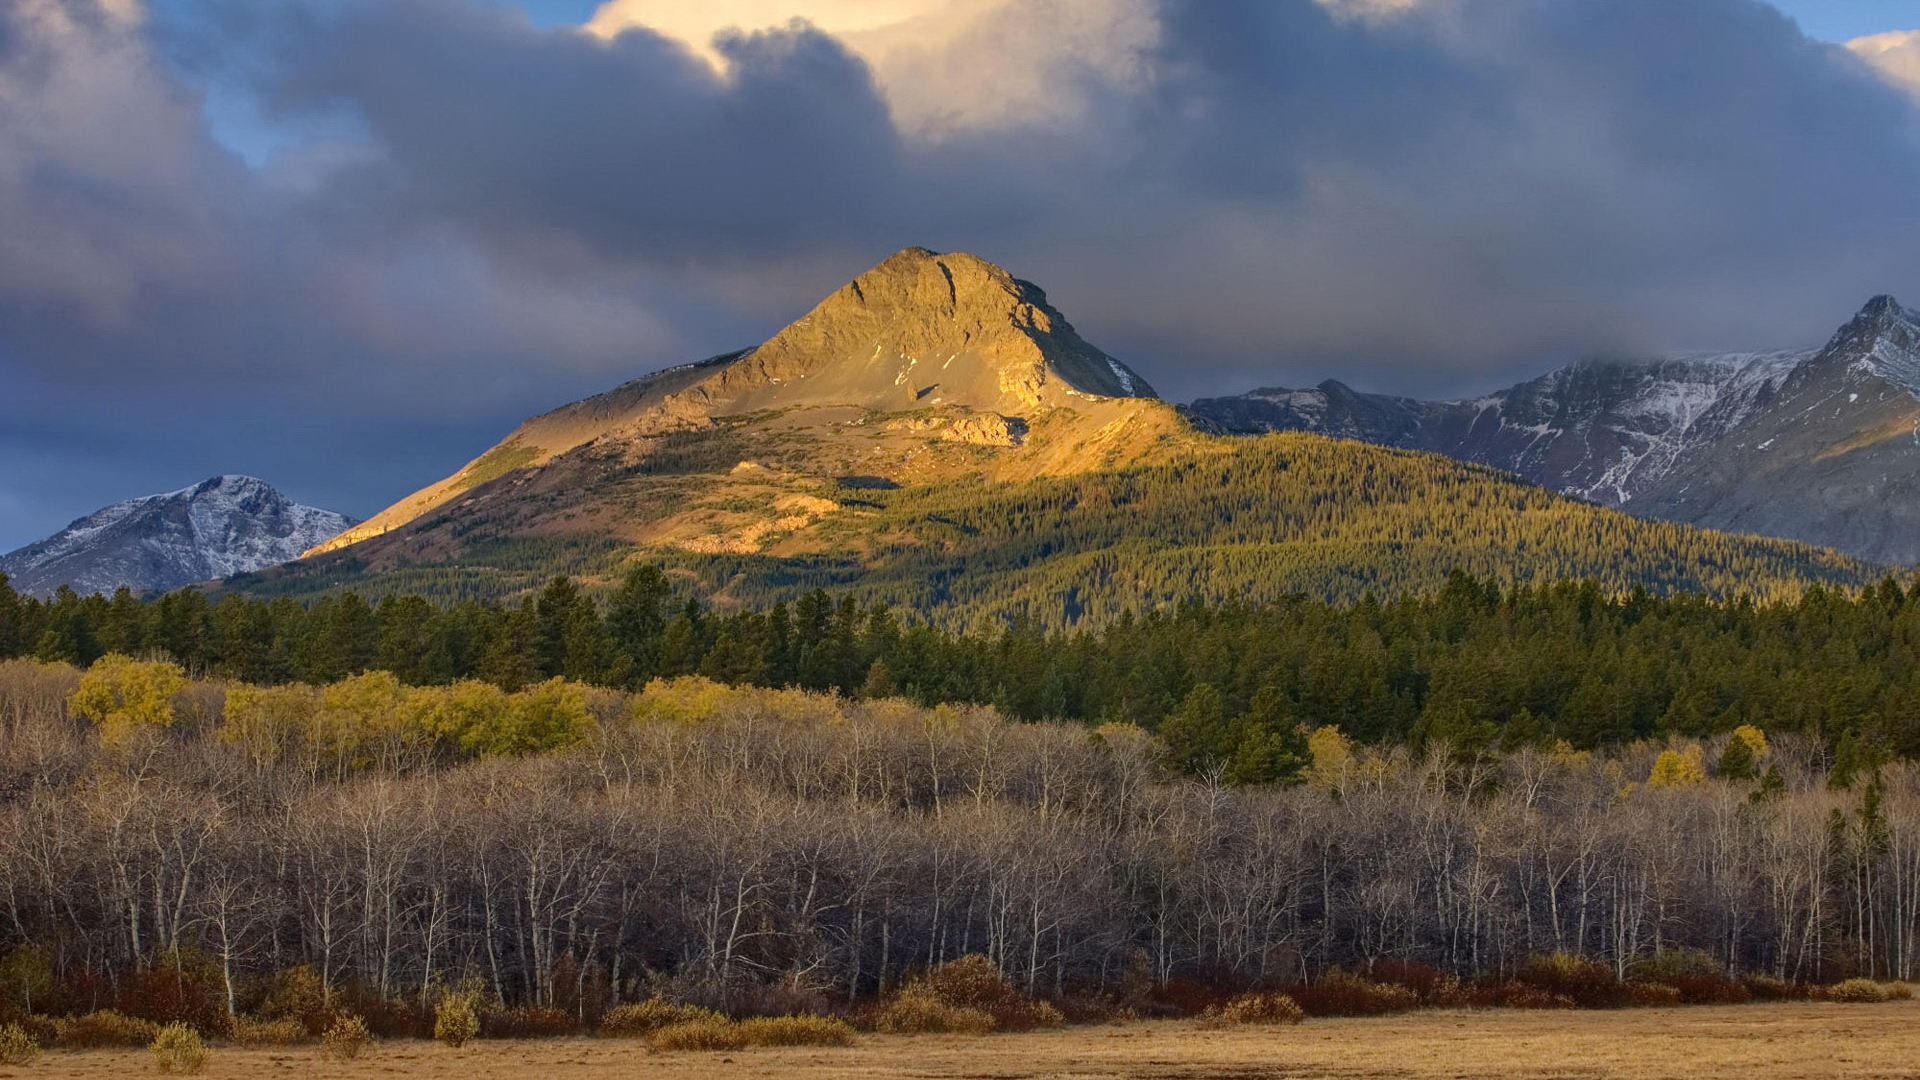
pixel 1771 1041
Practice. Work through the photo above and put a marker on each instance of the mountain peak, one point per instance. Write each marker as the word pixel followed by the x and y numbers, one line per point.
pixel 924 329
pixel 1883 306
pixel 1883 341
pixel 224 525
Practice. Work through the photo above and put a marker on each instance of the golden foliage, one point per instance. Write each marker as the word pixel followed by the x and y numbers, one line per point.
pixel 804 1030
pixel 1268 1009
pixel 16 1046
pixel 104 1028
pixel 456 1020
pixel 651 1015
pixel 178 1049
pixel 1679 768
pixel 715 1034
pixel 918 1011
pixel 346 1037
pixel 124 696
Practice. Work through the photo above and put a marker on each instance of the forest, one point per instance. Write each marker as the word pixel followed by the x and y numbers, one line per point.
pixel 1480 667
pixel 193 850
pixel 1254 520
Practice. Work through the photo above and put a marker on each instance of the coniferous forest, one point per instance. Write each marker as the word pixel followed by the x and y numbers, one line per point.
pixel 1472 664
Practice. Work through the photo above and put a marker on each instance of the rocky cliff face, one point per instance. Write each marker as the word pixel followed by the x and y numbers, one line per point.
pixel 225 526
pixel 1815 445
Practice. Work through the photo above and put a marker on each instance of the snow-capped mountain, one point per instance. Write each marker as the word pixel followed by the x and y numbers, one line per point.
pixel 1817 445
pixel 224 526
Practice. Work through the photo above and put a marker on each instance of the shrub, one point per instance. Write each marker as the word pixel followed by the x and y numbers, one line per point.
pixel 298 993
pixel 178 1049
pixel 16 1046
pixel 1701 979
pixel 346 1037
pixel 456 1019
pixel 715 1034
pixel 1857 991
pixel 1652 995
pixel 1899 991
pixel 42 1031
pixel 796 1031
pixel 104 1028
pixel 1423 979
pixel 651 1015
pixel 917 1011
pixel 286 1031
pixel 974 982
pixel 1764 987
pixel 527 1022
pixel 1520 995
pixel 1587 983
pixel 1339 993
pixel 1265 1009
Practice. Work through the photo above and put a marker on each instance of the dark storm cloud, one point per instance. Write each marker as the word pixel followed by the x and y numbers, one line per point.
pixel 498 217
pixel 632 147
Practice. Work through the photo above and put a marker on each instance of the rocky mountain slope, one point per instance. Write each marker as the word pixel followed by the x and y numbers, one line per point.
pixel 227 525
pixel 926 366
pixel 936 436
pixel 1817 445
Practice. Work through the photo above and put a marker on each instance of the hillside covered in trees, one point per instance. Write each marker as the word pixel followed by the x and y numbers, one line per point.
pixel 1247 520
pixel 1474 664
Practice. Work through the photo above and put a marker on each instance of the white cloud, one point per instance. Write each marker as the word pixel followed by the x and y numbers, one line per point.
pixel 1895 55
pixel 941 64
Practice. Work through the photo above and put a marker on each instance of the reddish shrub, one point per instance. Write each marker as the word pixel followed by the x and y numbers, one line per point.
pixel 1652 995
pixel 1422 979
pixel 1339 993
pixel 1700 979
pixel 1590 984
pixel 527 1022
pixel 1182 996
pixel 1764 987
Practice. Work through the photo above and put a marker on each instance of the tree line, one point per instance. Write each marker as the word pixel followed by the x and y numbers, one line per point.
pixel 567 846
pixel 1478 666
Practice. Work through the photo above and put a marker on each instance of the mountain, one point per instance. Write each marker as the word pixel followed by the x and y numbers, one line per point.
pixel 937 436
pixel 227 525
pixel 1817 445
pixel 923 351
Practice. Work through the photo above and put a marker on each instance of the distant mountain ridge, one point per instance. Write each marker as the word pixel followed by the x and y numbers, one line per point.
pixel 1815 445
pixel 220 527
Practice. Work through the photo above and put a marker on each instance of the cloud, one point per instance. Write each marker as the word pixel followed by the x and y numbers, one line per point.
pixel 939 64
pixel 479 218
pixel 1895 55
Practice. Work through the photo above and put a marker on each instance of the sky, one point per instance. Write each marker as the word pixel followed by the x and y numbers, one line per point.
pixel 345 245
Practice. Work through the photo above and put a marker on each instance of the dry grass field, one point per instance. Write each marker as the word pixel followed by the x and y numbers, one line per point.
pixel 1746 1042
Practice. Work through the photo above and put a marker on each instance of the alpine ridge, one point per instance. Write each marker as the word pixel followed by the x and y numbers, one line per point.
pixel 1816 445
pixel 223 526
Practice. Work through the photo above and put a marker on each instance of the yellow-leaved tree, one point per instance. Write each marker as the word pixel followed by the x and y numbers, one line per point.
pixel 127 696
pixel 269 723
pixel 1333 765
pixel 1679 768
